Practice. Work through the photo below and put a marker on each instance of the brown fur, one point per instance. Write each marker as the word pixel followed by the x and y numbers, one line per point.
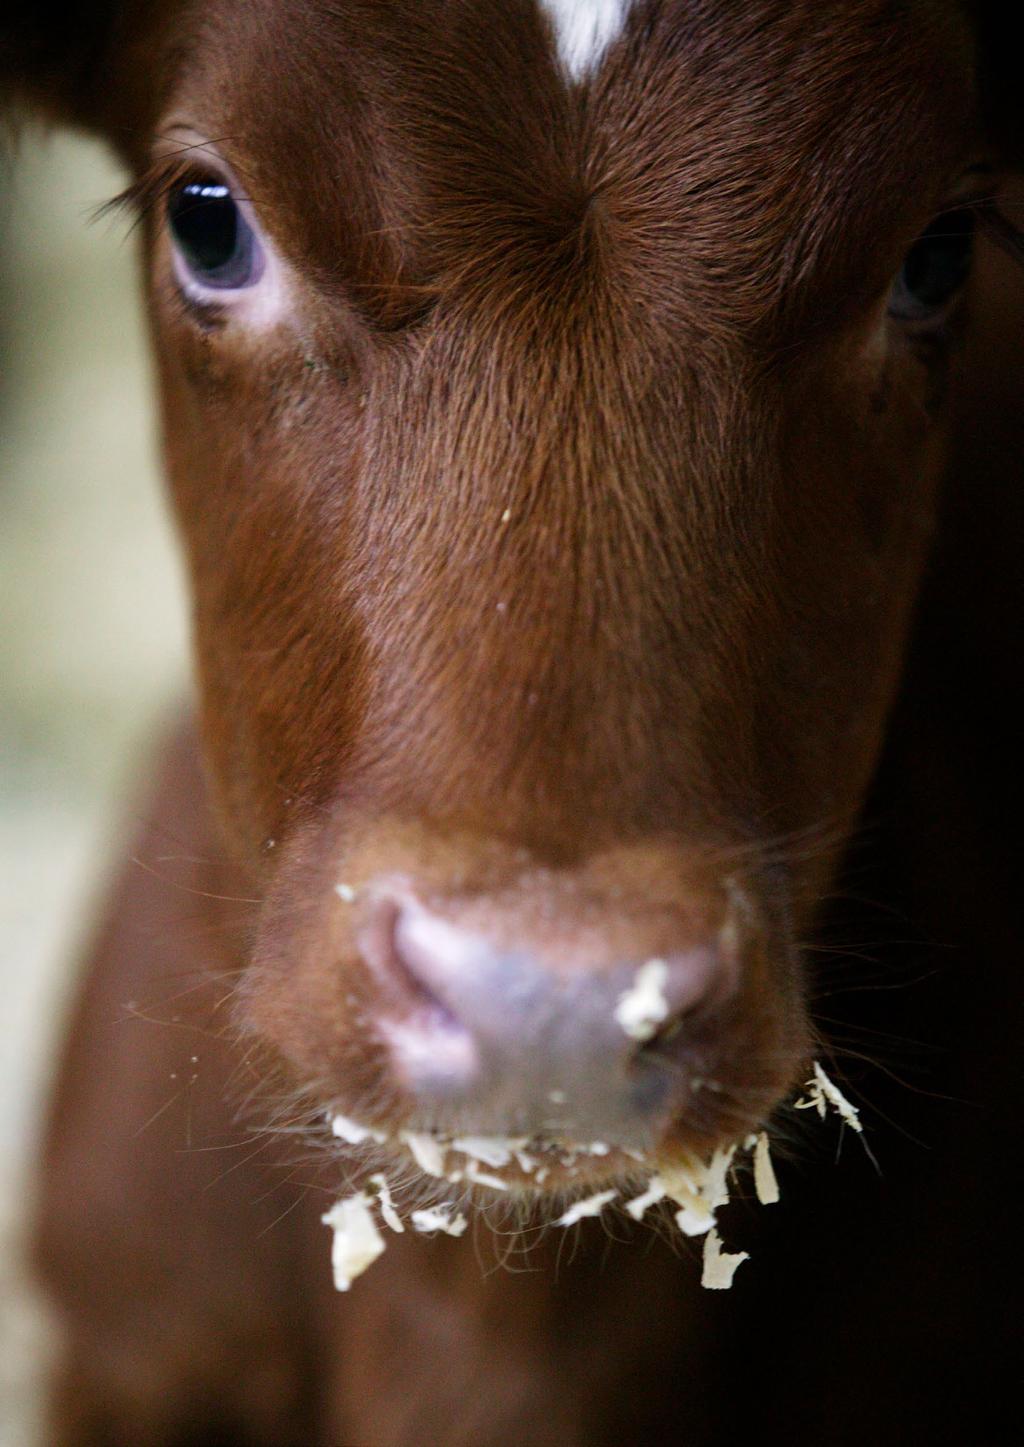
pixel 642 318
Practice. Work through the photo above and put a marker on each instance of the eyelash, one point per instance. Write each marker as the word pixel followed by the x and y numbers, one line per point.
pixel 146 191
pixel 152 188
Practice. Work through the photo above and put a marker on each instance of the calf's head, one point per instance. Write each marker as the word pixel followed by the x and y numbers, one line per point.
pixel 553 408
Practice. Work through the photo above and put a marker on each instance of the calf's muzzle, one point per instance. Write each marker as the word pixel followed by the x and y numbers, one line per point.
pixel 521 1028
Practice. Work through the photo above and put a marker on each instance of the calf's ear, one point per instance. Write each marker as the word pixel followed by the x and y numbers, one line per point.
pixel 87 63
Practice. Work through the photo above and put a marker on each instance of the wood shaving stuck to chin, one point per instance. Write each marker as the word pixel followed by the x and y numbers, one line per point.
pixel 655 1192
pixel 357 1242
pixel 592 1206
pixel 386 1203
pixel 427 1152
pixel 698 1188
pixel 439 1218
pixel 765 1184
pixel 353 1133
pixel 720 1266
pixel 491 1150
pixel 822 1093
pixel 484 1178
pixel 694 1218
pixel 714 1188
pixel 642 1008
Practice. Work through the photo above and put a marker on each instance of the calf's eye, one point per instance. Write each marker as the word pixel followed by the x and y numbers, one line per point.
pixel 934 269
pixel 216 246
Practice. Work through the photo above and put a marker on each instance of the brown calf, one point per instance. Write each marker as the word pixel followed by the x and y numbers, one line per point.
pixel 562 400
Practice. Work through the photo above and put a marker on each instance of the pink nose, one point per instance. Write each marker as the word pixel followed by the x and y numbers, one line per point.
pixel 506 1041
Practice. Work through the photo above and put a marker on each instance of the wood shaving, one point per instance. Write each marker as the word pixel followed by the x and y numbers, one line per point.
pixel 592 1206
pixel 386 1203
pixel 693 1217
pixel 714 1188
pixel 765 1184
pixel 427 1151
pixel 483 1178
pixel 439 1218
pixel 720 1266
pixel 822 1093
pixel 642 1008
pixel 354 1133
pixel 680 1181
pixel 492 1150
pixel 699 1188
pixel 655 1192
pixel 357 1242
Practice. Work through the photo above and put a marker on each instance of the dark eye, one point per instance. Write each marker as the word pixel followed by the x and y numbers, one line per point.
pixel 935 268
pixel 215 243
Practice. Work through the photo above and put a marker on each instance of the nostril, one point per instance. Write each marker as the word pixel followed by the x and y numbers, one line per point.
pixel 473 1024
pixel 438 956
pixel 379 944
pixel 428 1042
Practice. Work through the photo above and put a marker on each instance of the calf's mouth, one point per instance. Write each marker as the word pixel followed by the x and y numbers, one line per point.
pixel 537 1035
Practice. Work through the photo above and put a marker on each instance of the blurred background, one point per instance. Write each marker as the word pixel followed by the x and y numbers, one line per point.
pixel 92 640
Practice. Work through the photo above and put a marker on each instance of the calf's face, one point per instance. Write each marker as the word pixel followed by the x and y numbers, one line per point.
pixel 556 457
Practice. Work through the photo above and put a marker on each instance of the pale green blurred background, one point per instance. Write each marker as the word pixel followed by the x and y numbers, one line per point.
pixel 92 637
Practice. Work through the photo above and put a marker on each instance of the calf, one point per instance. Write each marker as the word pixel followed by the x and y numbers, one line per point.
pixel 560 401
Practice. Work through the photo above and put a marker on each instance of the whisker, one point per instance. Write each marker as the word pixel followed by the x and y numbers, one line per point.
pixel 189 889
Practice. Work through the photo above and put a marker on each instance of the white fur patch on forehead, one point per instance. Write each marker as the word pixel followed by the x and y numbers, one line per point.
pixel 584 29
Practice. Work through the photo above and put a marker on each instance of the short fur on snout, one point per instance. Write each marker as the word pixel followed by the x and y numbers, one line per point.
pixel 557 507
